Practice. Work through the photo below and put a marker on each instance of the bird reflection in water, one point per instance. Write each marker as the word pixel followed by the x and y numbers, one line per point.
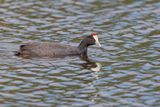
pixel 93 66
pixel 96 67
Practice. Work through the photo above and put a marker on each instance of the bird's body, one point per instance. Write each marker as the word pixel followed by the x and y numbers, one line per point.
pixel 45 49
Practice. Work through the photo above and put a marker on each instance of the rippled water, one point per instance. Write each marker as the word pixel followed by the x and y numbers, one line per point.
pixel 129 59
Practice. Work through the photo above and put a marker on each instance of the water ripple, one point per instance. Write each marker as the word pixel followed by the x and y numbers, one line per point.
pixel 124 72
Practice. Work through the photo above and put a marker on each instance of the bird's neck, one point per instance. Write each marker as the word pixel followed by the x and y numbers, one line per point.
pixel 83 48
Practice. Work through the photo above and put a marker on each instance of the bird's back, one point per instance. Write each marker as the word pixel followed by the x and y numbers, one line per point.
pixel 39 49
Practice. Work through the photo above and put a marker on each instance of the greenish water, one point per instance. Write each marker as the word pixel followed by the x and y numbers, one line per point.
pixel 129 60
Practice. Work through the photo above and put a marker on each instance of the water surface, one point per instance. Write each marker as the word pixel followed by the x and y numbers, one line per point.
pixel 129 31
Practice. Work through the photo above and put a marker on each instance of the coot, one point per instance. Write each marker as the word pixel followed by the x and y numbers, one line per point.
pixel 43 49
